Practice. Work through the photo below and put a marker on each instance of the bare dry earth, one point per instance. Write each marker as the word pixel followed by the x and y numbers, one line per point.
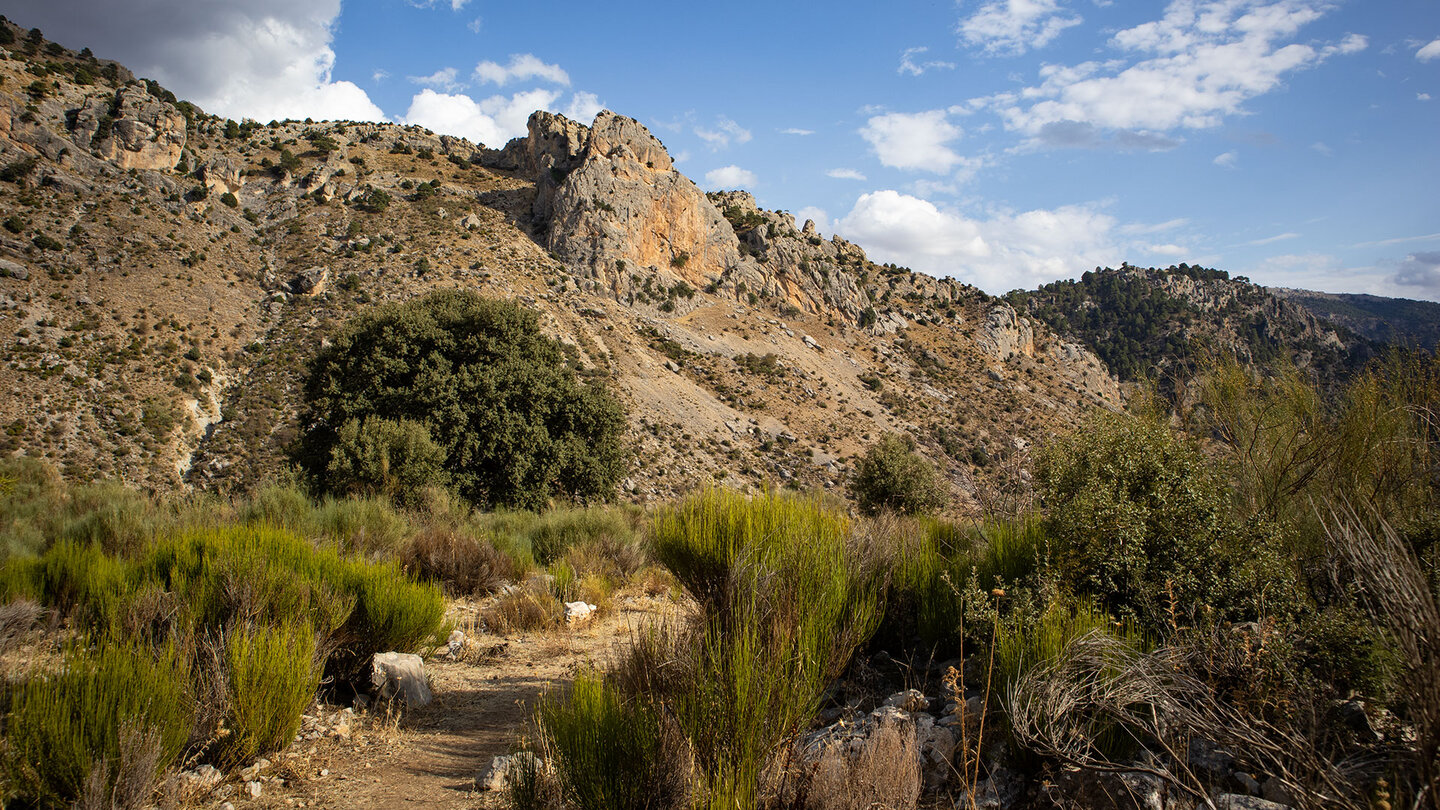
pixel 430 757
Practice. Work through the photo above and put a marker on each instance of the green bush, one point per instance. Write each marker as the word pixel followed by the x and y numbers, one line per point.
pixel 893 476
pixel 1137 518
pixel 609 751
pixel 62 726
pixel 516 426
pixel 378 456
pixel 272 674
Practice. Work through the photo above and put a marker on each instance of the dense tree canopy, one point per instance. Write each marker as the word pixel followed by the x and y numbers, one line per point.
pixel 514 425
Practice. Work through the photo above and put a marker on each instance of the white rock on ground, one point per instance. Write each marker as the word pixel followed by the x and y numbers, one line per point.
pixel 400 674
pixel 578 611
pixel 497 778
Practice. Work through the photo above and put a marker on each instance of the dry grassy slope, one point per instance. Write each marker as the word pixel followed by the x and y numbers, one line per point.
pixel 111 331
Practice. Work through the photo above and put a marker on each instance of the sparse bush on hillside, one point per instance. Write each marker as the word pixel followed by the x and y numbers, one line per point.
pixel 516 426
pixel 893 476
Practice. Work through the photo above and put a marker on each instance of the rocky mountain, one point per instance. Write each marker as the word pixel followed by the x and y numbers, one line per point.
pixel 1396 321
pixel 167 275
pixel 1146 322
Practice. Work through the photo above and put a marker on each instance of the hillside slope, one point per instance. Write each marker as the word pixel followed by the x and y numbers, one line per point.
pixel 167 275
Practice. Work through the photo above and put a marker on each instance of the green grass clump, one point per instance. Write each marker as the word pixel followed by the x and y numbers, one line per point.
pixel 62 726
pixel 784 603
pixel 554 532
pixel 272 674
pixel 609 751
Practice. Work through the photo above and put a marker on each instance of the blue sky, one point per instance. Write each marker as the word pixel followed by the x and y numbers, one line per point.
pixel 1004 142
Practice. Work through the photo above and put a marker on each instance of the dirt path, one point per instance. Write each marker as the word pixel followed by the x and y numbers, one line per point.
pixel 430 757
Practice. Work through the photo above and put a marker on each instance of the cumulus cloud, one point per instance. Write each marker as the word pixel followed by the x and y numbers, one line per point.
pixel 522 67
pixel 729 177
pixel 845 174
pixel 1011 27
pixel 260 59
pixel 443 79
pixel 908 64
pixel 1004 251
pixel 584 107
pixel 1420 270
pixel 1188 70
pixel 1430 51
pixel 913 141
pixel 1227 160
pixel 490 121
pixel 723 133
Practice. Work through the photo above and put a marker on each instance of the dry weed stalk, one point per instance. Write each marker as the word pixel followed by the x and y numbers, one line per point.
pixel 1100 686
pixel 1398 596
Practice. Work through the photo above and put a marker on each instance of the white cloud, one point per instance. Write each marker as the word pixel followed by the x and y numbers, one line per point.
pixel 1279 237
pixel 729 177
pixel 379 75
pixel 1010 27
pixel 909 65
pixel 1189 70
pixel 724 132
pixel 1431 51
pixel 1415 276
pixel 1226 160
pixel 1420 270
pixel 522 67
pixel 1323 148
pixel 443 79
pixel 584 107
pixel 475 25
pixel 1422 96
pixel 914 141
pixel 999 253
pixel 491 121
pixel 796 131
pixel 259 59
pixel 845 174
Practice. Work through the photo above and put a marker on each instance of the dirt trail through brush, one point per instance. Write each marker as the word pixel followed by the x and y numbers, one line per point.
pixel 430 757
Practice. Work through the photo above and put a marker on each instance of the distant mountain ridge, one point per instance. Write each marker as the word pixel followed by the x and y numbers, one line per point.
pixel 1395 321
pixel 1147 322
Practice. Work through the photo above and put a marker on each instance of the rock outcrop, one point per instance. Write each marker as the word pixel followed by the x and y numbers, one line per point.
pixel 134 130
pixel 624 216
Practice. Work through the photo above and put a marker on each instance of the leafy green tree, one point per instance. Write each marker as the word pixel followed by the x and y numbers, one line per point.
pixel 516 426
pixel 893 476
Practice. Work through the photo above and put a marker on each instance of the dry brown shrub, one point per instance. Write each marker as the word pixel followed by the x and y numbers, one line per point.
pixel 462 564
pixel 883 775
pixel 17 618
pixel 134 774
pixel 527 607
